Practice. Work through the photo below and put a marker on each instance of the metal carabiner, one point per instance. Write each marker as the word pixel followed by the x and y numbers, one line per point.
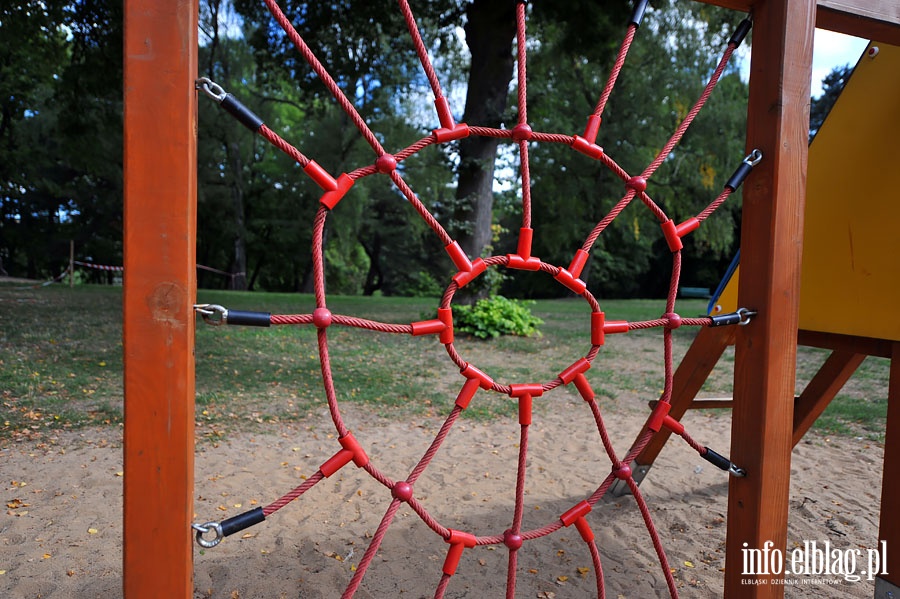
pixel 733 470
pixel 202 529
pixel 210 88
pixel 209 312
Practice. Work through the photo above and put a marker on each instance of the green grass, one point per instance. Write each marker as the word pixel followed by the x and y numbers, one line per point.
pixel 61 362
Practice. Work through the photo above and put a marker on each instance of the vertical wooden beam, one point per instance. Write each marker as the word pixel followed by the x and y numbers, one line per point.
pixel 889 528
pixel 160 281
pixel 771 244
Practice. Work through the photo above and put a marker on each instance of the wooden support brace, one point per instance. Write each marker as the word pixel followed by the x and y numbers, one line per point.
pixel 839 366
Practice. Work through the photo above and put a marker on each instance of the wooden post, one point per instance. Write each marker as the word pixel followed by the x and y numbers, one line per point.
pixel 771 244
pixel 888 583
pixel 160 282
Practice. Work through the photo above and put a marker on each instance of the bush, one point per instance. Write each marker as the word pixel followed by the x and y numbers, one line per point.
pixel 495 316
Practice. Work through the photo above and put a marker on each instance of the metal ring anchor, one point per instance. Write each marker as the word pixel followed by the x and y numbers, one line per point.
pixel 202 529
pixel 746 315
pixel 210 88
pixel 754 157
pixel 212 314
pixel 735 471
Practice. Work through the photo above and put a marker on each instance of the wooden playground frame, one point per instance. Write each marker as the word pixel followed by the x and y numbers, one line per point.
pixel 160 285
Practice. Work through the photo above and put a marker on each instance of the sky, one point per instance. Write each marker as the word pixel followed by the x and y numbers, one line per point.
pixel 829 50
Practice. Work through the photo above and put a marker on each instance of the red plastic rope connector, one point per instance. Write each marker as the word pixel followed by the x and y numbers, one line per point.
pixel 660 418
pixel 578 262
pixel 522 132
pixel 449 130
pixel 467 393
pixel 463 278
pixel 428 327
pixel 673 233
pixel 584 387
pixel 575 373
pixel 587 148
pixel 525 393
pixel 523 249
pixel 352 450
pixel 592 128
pixel 322 318
pixel 460 260
pixel 320 176
pixel 518 262
pixel 578 367
pixel 458 542
pixel 445 315
pixel 331 197
pixel 598 323
pixel 385 163
pixel 660 412
pixel 471 372
pixel 616 326
pixel 673 425
pixel 574 284
pixel 575 515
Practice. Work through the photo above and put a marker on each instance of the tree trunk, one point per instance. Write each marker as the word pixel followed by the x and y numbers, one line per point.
pixel 490 31
pixel 238 280
pixel 374 277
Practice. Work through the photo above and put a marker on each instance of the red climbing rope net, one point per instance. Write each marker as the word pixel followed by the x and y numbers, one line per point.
pixel 402 491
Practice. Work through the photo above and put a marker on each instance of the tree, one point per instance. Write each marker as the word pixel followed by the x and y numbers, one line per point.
pixel 60 133
pixel 32 52
pixel 571 192
pixel 832 86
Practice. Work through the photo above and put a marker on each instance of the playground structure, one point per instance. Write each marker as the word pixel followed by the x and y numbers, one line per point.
pixel 159 250
pixel 849 265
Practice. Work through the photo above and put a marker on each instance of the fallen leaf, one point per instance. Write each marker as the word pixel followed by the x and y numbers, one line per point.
pixel 92 531
pixel 689 564
pixel 47 556
pixel 120 473
pixel 562 578
pixel 583 571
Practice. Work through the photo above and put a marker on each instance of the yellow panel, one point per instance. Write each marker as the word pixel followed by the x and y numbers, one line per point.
pixel 850 281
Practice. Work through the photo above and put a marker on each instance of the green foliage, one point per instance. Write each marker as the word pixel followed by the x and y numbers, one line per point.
pixel 832 86
pixel 657 86
pixel 494 316
pixel 60 134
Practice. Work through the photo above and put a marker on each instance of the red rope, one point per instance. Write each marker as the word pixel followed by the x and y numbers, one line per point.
pixel 277 141
pixel 617 67
pixel 694 111
pixel 323 74
pixel 420 48
pixel 403 491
